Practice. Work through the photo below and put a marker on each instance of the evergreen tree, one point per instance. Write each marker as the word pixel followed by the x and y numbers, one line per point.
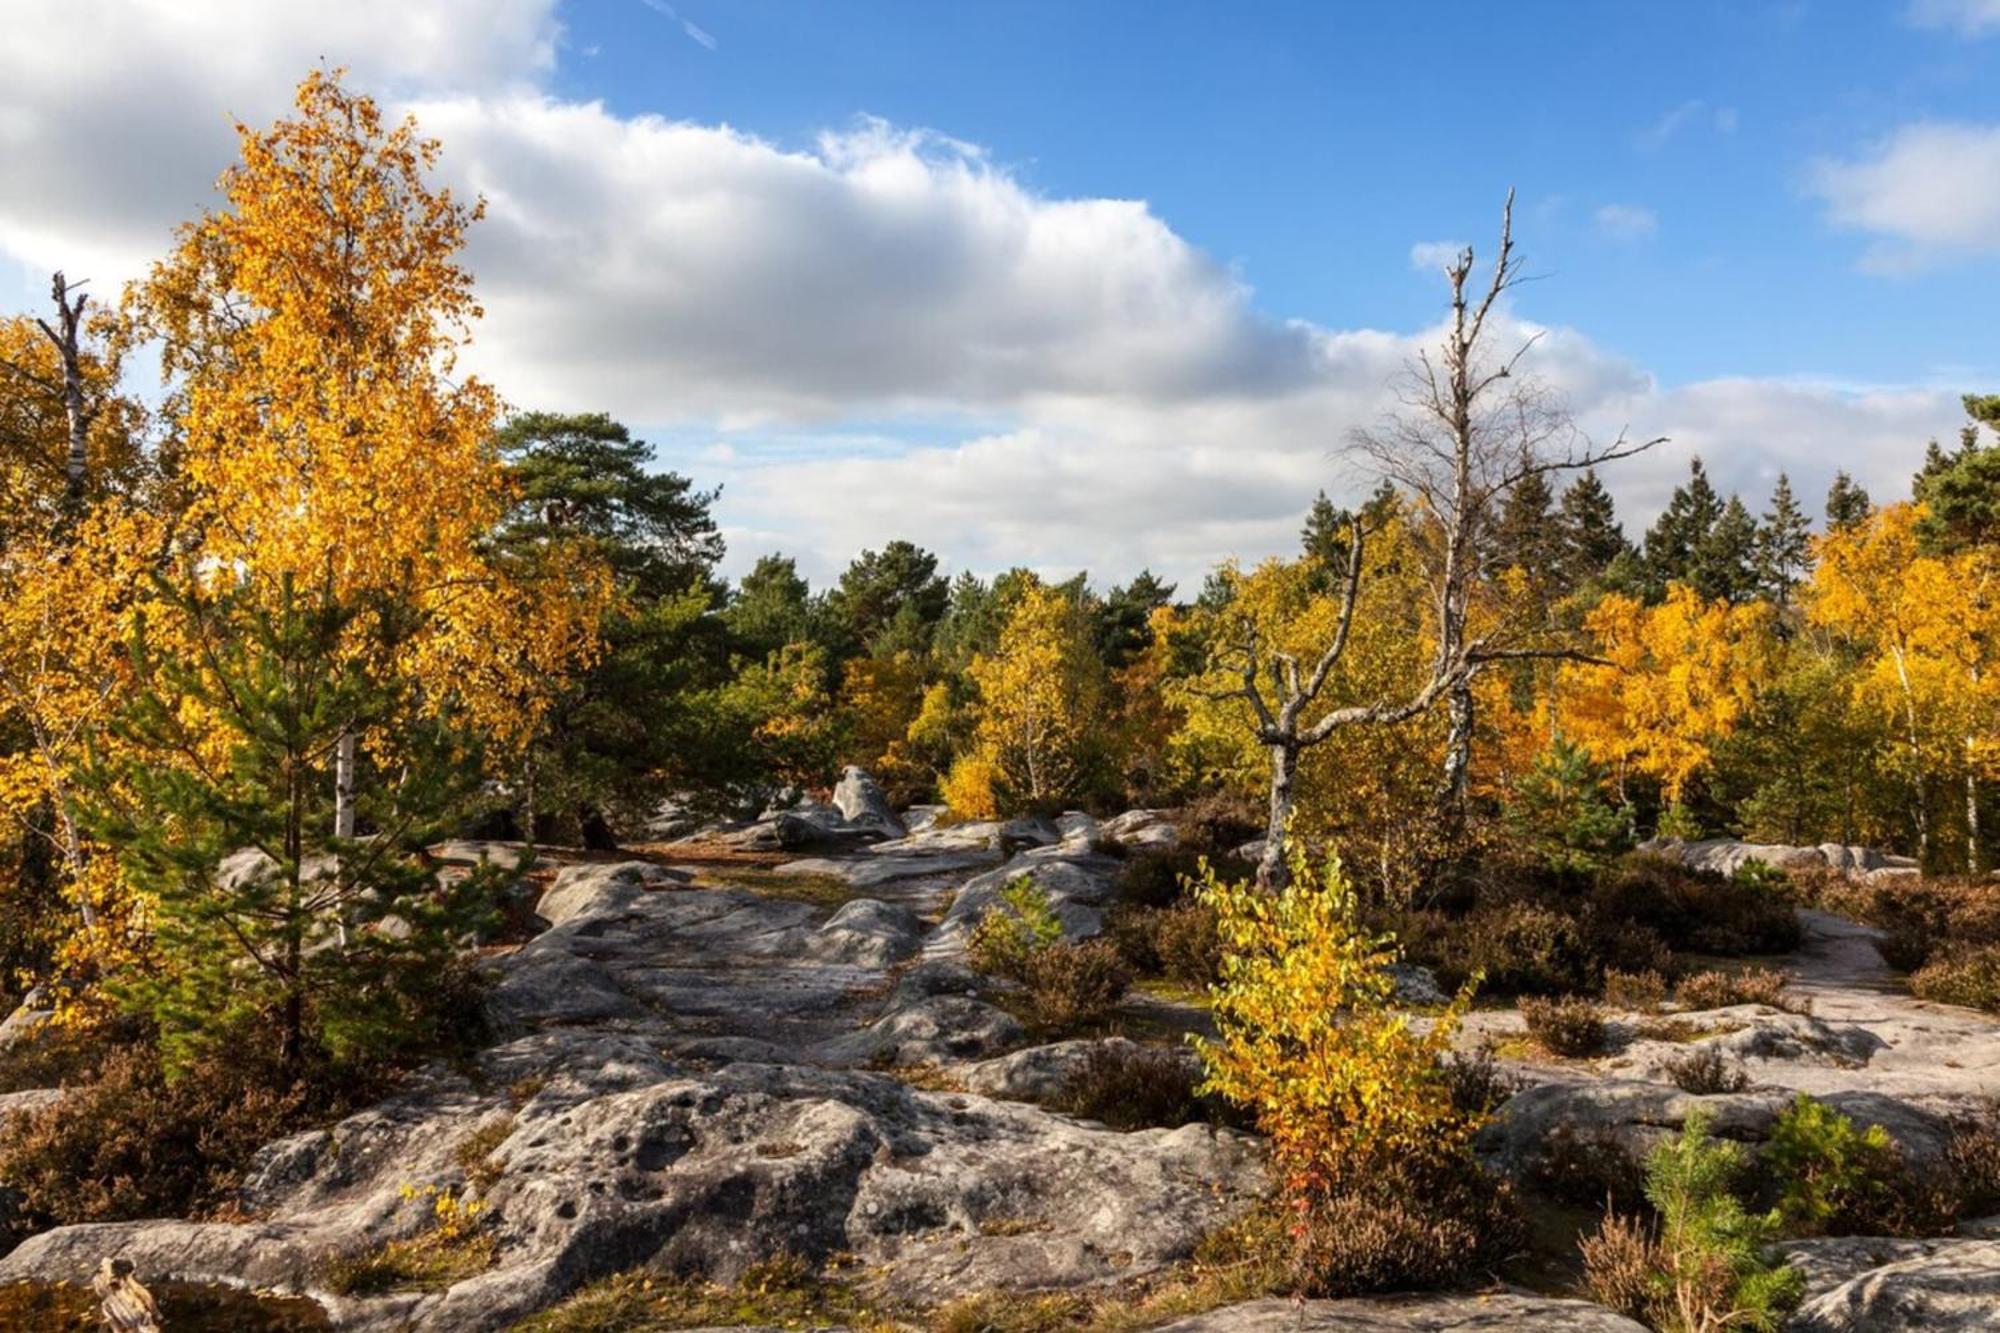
pixel 627 728
pixel 772 606
pixel 879 584
pixel 1527 534
pixel 1587 526
pixel 1847 505
pixel 1324 537
pixel 327 947
pixel 584 476
pixel 1676 537
pixel 1784 544
pixel 1961 490
pixel 1125 619
pixel 1725 560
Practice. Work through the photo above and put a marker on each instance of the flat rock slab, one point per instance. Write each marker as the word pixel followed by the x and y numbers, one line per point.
pixel 1441 1313
pixel 1897 1286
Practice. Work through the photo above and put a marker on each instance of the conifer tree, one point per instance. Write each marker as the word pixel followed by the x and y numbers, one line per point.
pixel 1674 541
pixel 1587 523
pixel 1847 505
pixel 219 801
pixel 1784 544
pixel 1725 560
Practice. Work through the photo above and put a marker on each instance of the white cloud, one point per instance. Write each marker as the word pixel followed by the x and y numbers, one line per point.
pixel 1626 222
pixel 1970 18
pixel 116 115
pixel 878 334
pixel 1689 114
pixel 1931 190
pixel 1430 256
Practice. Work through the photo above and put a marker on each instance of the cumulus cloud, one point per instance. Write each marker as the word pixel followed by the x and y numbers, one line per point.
pixel 1930 190
pixel 877 333
pixel 1626 222
pixel 1970 18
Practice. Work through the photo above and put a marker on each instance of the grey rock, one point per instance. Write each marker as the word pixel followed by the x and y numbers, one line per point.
pixel 1486 1311
pixel 1078 884
pixel 940 1029
pixel 869 932
pixel 603 888
pixel 1142 829
pixel 1416 985
pixel 1943 1284
pixel 1725 856
pixel 1039 1073
pixel 862 801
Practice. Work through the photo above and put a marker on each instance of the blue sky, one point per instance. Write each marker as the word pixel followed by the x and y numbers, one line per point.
pixel 1102 285
pixel 1310 144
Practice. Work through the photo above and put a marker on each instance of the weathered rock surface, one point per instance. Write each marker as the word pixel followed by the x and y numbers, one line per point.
pixel 1725 856
pixel 1039 1073
pixel 1444 1313
pixel 1078 882
pixel 690 1077
pixel 861 802
pixel 1876 1285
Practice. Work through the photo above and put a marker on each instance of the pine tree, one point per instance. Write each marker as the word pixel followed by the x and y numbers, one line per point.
pixel 1784 544
pixel 1527 535
pixel 220 803
pixel 1676 537
pixel 1124 620
pixel 1725 560
pixel 1847 505
pixel 1960 491
pixel 1591 537
pixel 879 584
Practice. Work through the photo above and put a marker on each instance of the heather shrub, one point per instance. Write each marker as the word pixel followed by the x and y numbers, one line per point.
pixel 1706 1072
pixel 1715 989
pixel 1177 942
pixel 1132 1086
pixel 1622 1264
pixel 1569 1026
pixel 1643 991
pixel 1372 1157
pixel 1584 1166
pixel 1071 986
pixel 1518 949
pixel 1967 975
pixel 1748 913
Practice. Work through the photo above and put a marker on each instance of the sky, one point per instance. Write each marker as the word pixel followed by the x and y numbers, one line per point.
pixel 1107 284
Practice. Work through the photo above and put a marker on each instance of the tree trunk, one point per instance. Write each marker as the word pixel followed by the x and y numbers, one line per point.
pixel 66 335
pixel 1971 811
pixel 1272 871
pixel 1457 760
pixel 343 786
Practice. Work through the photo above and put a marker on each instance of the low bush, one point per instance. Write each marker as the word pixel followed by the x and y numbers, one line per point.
pixel 1644 991
pixel 1403 1227
pixel 1177 942
pixel 1072 986
pixel 1019 925
pixel 1748 913
pixel 1373 1157
pixel 1829 1176
pixel 1704 1267
pixel 1131 1086
pixel 1716 989
pixel 1475 1083
pixel 129 1144
pixel 1569 1026
pixel 1518 949
pixel 1967 975
pixel 1706 1072
pixel 1585 1167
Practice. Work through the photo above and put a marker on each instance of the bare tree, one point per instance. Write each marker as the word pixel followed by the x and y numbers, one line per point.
pixel 66 335
pixel 1469 428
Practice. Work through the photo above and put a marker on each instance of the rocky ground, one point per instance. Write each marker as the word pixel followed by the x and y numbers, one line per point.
pixel 701 1067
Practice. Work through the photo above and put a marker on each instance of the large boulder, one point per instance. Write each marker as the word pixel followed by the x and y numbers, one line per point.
pixel 1725 856
pixel 862 802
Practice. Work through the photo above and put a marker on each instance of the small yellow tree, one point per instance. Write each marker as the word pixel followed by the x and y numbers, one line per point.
pixel 1352 1094
pixel 1041 733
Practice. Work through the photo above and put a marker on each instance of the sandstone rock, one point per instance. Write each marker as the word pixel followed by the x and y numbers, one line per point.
pixel 938 1029
pixel 1039 1073
pixel 1078 885
pixel 1725 856
pixel 1143 829
pixel 862 802
pixel 603 888
pixel 868 932
pixel 1923 1285
pixel 1430 1313
pixel 876 867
